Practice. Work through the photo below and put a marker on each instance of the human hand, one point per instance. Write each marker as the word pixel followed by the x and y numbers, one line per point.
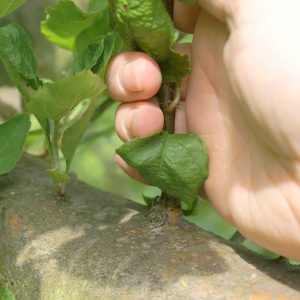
pixel 243 99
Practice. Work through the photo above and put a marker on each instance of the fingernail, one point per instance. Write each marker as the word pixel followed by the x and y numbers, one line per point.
pixel 130 125
pixel 129 77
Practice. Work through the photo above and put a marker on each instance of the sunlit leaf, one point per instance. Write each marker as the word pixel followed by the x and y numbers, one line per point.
pixel 64 22
pixel 55 100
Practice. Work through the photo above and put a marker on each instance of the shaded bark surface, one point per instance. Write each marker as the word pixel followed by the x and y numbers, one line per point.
pixel 95 245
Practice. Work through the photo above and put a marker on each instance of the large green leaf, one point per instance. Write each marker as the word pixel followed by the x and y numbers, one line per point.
pixel 73 135
pixel 12 139
pixel 64 23
pixel 144 25
pixel 176 163
pixel 17 56
pixel 8 6
pixel 56 100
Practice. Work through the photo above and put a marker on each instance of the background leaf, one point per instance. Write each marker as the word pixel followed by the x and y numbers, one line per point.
pixel 12 139
pixel 176 163
pixel 16 50
pixel 88 58
pixel 8 6
pixel 56 100
pixel 64 22
pixel 17 56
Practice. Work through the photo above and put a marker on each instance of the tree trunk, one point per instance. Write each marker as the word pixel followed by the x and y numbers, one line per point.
pixel 94 245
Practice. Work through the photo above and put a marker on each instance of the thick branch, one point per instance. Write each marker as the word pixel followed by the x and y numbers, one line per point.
pixel 94 245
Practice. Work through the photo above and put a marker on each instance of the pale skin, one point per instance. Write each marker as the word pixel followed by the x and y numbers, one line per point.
pixel 243 99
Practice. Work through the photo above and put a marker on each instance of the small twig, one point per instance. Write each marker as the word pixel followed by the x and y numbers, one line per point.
pixel 171 108
pixel 166 96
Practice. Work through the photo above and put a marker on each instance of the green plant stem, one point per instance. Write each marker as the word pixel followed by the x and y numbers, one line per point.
pixel 166 95
pixel 169 97
pixel 48 138
pixel 54 134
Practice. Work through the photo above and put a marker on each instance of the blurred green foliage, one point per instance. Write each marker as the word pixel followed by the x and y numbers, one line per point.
pixel 6 293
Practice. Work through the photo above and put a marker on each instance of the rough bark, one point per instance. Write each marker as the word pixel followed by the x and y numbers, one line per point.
pixel 94 245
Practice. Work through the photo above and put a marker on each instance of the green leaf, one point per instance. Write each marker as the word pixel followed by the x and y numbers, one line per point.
pixel 96 56
pixel 56 100
pixel 188 1
pixel 12 139
pixel 58 176
pixel 113 45
pixel 73 135
pixel 93 34
pixel 176 163
pixel 144 25
pixel 64 22
pixel 17 56
pixel 98 5
pixel 8 6
pixel 88 58
pixel 175 68
pixel 16 50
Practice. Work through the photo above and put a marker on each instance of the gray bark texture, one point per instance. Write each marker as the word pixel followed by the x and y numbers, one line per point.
pixel 94 245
